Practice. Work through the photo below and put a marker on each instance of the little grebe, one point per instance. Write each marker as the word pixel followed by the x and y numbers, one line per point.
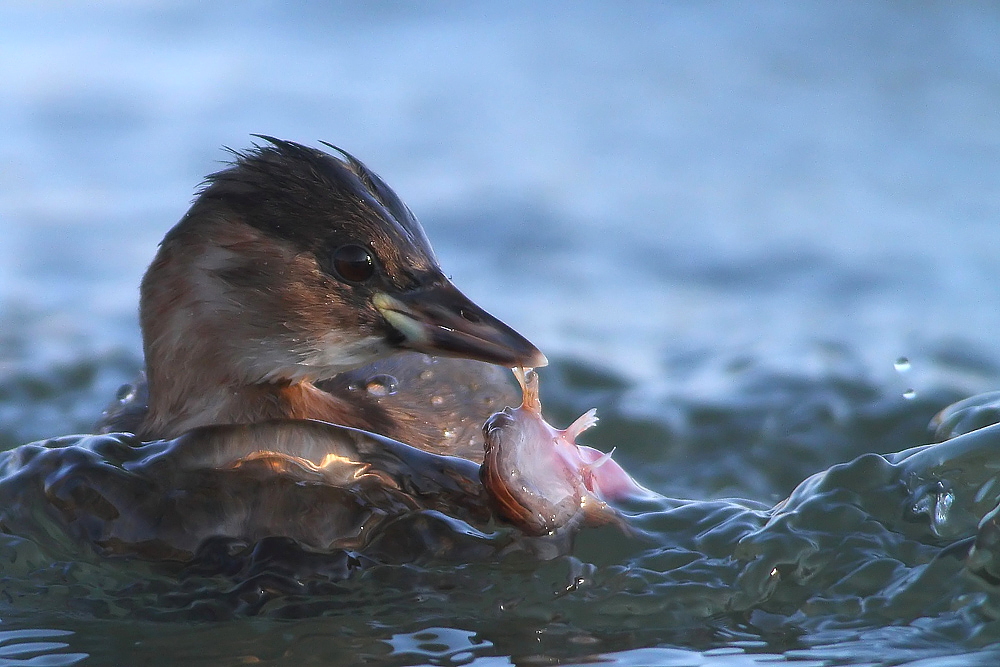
pixel 287 323
pixel 293 267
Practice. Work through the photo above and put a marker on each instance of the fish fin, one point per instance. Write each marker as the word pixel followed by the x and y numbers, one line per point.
pixel 588 471
pixel 528 379
pixel 582 423
pixel 597 463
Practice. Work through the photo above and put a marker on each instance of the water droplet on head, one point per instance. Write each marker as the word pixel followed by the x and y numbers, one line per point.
pixel 382 385
pixel 910 394
pixel 448 433
pixel 902 365
pixel 437 400
pixel 426 375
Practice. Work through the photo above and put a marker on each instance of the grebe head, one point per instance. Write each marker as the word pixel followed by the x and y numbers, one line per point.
pixel 292 266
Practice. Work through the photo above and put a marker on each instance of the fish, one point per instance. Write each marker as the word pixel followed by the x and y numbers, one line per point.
pixel 539 479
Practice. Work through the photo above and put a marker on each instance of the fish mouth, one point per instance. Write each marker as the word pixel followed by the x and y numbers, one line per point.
pixel 494 426
pixel 440 320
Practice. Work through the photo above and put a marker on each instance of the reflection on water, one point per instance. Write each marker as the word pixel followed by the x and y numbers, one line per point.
pixel 439 646
pixel 897 551
pixel 29 647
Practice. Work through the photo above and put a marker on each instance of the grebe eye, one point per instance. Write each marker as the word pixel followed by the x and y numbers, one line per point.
pixel 353 264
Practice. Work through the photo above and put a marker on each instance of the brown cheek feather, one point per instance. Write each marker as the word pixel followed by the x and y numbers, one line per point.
pixel 221 309
pixel 307 295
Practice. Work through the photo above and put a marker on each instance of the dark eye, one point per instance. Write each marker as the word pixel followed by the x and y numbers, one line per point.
pixel 353 264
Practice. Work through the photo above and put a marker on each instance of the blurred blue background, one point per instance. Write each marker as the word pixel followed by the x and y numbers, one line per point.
pixel 668 190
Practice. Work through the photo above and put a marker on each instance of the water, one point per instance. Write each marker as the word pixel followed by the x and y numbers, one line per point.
pixel 726 226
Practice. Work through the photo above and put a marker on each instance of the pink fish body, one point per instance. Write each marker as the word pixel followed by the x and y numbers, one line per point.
pixel 539 479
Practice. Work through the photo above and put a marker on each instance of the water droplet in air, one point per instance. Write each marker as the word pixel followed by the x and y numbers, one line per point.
pixel 382 385
pixel 936 503
pixel 924 504
pixel 902 365
pixel 910 394
pixel 942 509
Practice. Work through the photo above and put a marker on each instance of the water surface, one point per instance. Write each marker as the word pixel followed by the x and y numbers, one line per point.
pixel 725 226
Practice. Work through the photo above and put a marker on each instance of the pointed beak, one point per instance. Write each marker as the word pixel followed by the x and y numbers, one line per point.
pixel 441 320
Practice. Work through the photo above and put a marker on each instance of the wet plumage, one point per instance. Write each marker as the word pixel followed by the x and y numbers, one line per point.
pixel 292 267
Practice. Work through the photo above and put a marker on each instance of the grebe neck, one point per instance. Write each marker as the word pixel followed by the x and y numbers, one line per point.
pixel 248 404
